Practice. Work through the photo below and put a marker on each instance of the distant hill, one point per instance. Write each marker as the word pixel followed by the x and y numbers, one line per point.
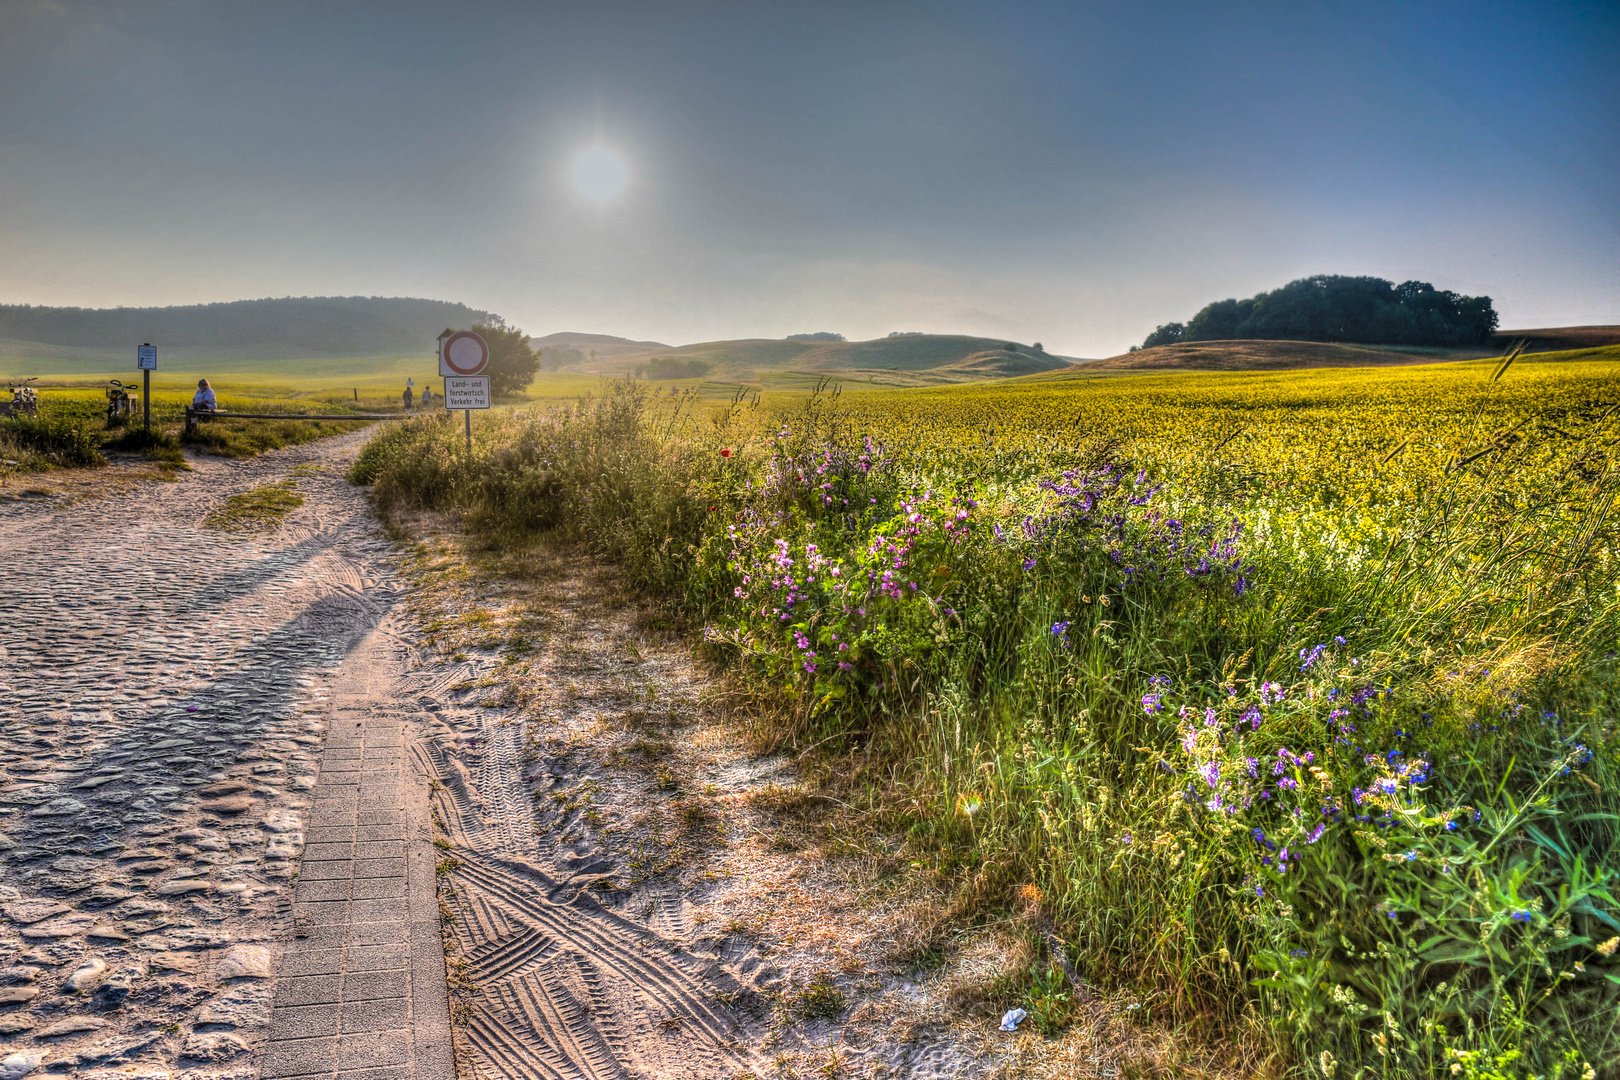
pixel 1559 338
pixel 1252 355
pixel 914 359
pixel 1267 356
pixel 89 339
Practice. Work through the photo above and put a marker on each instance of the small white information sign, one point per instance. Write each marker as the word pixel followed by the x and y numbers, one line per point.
pixel 466 392
pixel 146 358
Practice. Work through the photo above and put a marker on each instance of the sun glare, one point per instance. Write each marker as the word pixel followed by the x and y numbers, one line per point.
pixel 599 174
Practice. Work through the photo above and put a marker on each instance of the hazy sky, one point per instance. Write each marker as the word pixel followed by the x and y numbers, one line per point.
pixel 1073 173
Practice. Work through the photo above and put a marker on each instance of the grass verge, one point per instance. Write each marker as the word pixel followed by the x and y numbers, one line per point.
pixel 1315 760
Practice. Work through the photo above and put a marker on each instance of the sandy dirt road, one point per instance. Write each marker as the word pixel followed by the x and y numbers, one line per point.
pixel 164 698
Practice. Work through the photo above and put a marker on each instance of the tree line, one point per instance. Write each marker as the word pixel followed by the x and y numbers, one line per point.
pixel 310 325
pixel 1334 307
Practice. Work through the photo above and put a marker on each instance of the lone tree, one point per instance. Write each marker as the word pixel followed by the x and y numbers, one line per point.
pixel 512 364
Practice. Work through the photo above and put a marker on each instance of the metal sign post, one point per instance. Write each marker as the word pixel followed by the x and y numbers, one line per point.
pixel 146 360
pixel 467 392
pixel 463 355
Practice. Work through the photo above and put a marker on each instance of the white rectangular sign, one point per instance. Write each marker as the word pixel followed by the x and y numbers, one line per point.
pixel 146 358
pixel 466 392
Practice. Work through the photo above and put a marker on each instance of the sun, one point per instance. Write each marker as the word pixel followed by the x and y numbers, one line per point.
pixel 599 173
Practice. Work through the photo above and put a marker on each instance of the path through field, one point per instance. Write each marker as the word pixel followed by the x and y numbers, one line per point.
pixel 164 714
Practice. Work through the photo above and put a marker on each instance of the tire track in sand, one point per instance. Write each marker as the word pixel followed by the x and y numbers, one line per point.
pixel 566 987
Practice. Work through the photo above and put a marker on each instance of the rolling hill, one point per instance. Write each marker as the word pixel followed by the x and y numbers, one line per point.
pixel 914 359
pixel 1589 342
pixel 240 335
pixel 1559 338
pixel 1268 355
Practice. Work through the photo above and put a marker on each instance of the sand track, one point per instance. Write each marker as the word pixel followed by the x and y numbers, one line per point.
pixel 567 987
pixel 165 694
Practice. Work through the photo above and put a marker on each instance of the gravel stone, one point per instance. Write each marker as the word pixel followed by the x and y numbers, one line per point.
pixel 213 1046
pixel 244 962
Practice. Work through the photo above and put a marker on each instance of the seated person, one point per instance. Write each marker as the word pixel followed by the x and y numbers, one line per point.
pixel 203 399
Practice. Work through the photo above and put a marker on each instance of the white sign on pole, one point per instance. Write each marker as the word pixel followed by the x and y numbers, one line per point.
pixel 466 392
pixel 146 358
pixel 462 353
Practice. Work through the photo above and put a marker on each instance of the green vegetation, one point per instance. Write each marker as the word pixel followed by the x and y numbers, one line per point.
pixel 47 440
pixel 673 367
pixel 1287 695
pixel 1332 307
pixel 225 437
pixel 512 364
pixel 71 429
pixel 261 508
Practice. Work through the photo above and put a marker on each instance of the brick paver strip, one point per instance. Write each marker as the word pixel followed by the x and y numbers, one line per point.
pixel 362 994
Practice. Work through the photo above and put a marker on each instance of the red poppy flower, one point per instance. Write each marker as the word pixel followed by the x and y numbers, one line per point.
pixel 726 452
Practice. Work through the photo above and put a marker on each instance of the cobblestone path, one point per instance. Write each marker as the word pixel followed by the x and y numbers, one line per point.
pixel 165 691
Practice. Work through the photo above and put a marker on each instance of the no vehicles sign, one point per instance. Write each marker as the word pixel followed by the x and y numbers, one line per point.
pixel 146 358
pixel 462 353
pixel 466 392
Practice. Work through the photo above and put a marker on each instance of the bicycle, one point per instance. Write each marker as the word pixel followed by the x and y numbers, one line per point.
pixel 24 400
pixel 120 401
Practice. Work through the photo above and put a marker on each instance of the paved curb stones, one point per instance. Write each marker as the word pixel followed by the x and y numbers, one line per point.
pixel 362 994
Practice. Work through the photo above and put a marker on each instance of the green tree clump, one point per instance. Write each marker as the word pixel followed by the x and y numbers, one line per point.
pixel 1333 307
pixel 512 363
pixel 674 367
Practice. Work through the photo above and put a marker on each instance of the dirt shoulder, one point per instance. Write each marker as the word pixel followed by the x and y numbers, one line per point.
pixel 632 883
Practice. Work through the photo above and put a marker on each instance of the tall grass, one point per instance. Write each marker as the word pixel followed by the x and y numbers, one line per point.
pixel 1325 763
pixel 47 440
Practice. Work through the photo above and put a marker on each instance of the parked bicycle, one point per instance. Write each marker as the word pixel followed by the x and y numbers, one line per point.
pixel 24 400
pixel 122 398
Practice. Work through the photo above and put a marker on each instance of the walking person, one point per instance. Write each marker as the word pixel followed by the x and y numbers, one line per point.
pixel 427 397
pixel 409 383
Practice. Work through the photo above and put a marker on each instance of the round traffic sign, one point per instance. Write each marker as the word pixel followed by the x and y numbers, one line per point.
pixel 465 353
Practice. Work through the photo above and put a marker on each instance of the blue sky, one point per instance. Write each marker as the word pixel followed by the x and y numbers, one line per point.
pixel 1070 173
